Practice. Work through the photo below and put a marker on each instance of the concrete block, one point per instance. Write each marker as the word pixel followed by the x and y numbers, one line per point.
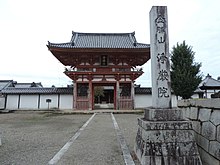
pixel 214 149
pixel 209 130
pixel 215 117
pixel 204 114
pixel 218 133
pixel 203 142
pixel 193 113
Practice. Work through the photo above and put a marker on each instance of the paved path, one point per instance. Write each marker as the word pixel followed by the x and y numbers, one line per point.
pixel 99 141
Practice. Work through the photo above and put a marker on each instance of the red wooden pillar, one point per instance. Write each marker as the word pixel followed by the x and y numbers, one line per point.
pixel 74 94
pixel 90 95
pixel 132 94
pixel 117 95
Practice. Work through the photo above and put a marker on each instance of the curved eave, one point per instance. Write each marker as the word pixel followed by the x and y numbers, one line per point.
pixel 209 87
pixel 60 49
pixel 62 54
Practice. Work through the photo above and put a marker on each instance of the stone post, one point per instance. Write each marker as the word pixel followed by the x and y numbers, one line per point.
pixel 160 63
pixel 0 139
pixel 163 137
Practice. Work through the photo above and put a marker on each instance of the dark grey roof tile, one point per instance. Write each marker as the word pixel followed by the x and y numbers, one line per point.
pixel 101 40
pixel 36 90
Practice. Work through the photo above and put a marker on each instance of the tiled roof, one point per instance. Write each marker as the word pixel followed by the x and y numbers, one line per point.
pixel 209 83
pixel 37 90
pixel 26 85
pixel 101 40
pixel 139 90
pixel 5 84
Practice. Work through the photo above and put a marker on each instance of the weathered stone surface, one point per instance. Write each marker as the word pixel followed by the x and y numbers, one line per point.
pixel 168 125
pixel 204 114
pixel 209 130
pixel 163 114
pixel 215 117
pixel 196 126
pixel 193 113
pixel 206 103
pixel 183 103
pixel 186 112
pixel 214 149
pixel 163 141
pixel 218 133
pixel 166 160
pixel 160 63
pixel 203 142
pixel 208 159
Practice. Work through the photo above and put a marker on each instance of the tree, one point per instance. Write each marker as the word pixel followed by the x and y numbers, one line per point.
pixel 98 92
pixel 185 73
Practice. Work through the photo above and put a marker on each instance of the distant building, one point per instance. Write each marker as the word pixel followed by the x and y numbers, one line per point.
pixel 209 86
pixel 33 96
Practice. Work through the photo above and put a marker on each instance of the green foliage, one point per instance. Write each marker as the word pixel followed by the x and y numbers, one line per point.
pixel 98 91
pixel 185 73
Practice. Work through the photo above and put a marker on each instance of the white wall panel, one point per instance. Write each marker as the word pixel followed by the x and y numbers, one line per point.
pixel 29 102
pixel 12 102
pixel 66 101
pixel 52 105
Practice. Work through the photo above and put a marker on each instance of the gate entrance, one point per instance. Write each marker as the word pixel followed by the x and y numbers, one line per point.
pixel 103 97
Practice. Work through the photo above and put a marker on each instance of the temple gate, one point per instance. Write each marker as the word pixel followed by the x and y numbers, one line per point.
pixel 106 60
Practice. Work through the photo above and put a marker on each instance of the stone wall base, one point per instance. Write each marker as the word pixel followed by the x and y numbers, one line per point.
pixel 165 142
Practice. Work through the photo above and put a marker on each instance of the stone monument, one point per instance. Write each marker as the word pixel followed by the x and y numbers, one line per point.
pixel 163 137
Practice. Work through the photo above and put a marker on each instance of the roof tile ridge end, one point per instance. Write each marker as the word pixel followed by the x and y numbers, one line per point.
pixel 74 38
pixel 132 38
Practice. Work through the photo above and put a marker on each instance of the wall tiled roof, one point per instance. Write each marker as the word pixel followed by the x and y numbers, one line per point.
pixel 139 90
pixel 36 90
pixel 5 84
pixel 101 40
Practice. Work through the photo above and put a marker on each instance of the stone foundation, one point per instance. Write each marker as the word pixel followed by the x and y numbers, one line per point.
pixel 164 138
pixel 205 117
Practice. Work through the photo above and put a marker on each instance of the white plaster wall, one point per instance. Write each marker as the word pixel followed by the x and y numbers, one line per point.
pixel 143 101
pixel 174 101
pixel 2 102
pixel 66 102
pixel 44 104
pixel 12 102
pixel 29 102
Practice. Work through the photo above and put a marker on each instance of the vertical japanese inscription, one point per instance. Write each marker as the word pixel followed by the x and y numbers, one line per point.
pixel 163 74
pixel 161 33
pixel 160 66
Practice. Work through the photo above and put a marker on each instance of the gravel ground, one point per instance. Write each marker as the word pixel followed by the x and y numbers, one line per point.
pixel 35 137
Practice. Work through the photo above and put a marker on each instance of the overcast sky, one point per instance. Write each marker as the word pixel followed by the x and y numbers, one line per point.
pixel 27 25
